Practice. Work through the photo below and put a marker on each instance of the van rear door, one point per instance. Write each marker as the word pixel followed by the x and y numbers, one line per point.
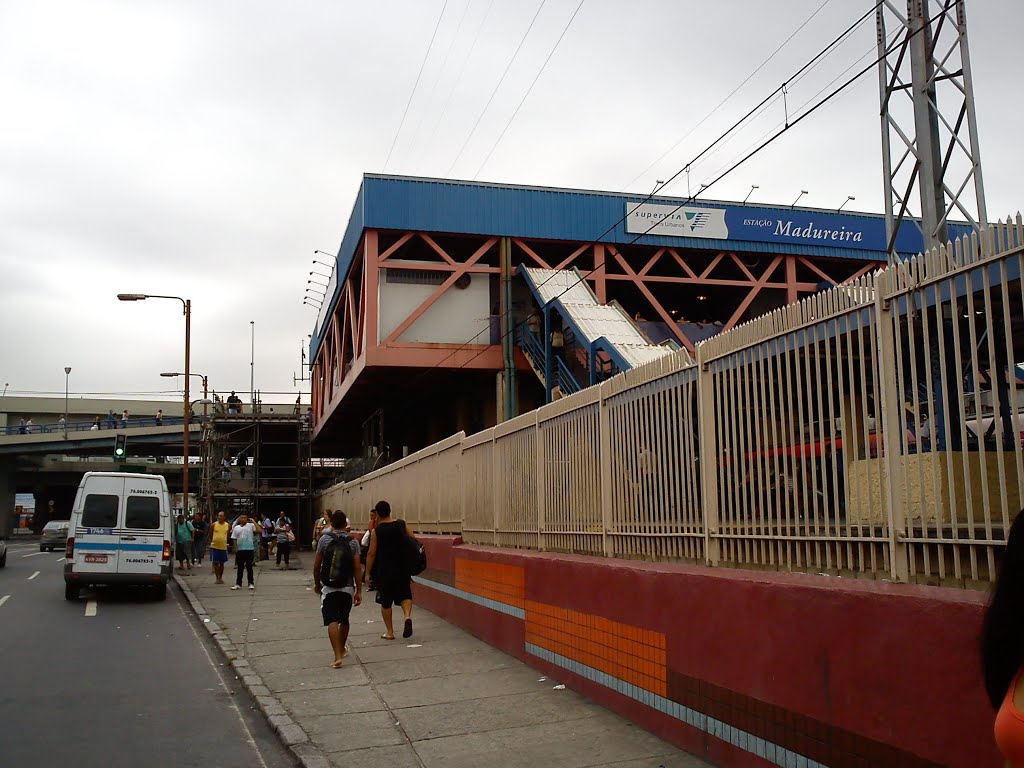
pixel 97 541
pixel 141 535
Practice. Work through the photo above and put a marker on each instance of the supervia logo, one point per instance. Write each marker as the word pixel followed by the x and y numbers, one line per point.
pixel 697 220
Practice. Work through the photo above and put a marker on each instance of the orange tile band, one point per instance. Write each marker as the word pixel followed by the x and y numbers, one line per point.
pixel 502 583
pixel 629 653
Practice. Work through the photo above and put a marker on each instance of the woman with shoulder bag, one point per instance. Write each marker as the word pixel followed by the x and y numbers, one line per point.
pixel 285 537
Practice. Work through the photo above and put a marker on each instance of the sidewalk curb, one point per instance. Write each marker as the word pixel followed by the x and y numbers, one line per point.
pixel 291 734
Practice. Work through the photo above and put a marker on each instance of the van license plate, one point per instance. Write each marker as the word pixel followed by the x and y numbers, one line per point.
pixel 95 558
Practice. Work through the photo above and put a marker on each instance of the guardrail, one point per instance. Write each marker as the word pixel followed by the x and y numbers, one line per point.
pixel 872 430
pixel 86 426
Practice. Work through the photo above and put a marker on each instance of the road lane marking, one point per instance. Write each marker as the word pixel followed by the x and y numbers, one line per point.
pixel 223 682
pixel 60 559
pixel 90 608
pixel 4 599
pixel 33 575
pixel 33 554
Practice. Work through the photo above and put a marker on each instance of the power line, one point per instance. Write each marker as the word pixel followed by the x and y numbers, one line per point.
pixel 847 34
pixel 678 173
pixel 415 85
pixel 462 71
pixel 440 72
pixel 496 87
pixel 734 91
pixel 528 90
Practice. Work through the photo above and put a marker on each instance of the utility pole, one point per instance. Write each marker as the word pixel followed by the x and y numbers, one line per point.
pixel 924 62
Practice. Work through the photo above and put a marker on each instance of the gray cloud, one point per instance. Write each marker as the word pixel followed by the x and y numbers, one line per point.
pixel 205 149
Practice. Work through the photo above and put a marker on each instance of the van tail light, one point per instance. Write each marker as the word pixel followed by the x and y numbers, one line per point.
pixel 168 553
pixel 69 549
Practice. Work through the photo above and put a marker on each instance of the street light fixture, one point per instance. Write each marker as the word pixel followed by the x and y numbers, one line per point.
pixel 849 199
pixel 319 274
pixel 67 375
pixel 802 193
pixel 752 188
pixel 316 282
pixel 205 380
pixel 308 303
pixel 186 308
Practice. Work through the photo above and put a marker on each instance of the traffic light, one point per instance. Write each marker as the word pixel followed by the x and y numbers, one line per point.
pixel 120 446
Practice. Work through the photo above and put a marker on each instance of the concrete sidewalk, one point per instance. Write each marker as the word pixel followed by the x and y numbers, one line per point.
pixel 441 698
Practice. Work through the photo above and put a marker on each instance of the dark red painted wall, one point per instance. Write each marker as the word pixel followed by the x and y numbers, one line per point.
pixel 896 664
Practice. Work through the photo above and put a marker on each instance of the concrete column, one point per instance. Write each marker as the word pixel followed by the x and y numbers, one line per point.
pixel 7 470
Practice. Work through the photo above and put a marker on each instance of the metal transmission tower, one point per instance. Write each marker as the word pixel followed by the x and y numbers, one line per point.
pixel 928 116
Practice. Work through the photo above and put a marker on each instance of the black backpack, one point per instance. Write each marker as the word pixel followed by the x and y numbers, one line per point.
pixel 338 565
pixel 414 555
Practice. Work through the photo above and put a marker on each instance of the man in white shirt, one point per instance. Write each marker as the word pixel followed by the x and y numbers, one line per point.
pixel 244 535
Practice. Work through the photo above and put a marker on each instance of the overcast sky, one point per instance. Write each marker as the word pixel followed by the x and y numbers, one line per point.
pixel 205 148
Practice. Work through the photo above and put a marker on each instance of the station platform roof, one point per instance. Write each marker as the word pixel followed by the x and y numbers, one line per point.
pixel 404 203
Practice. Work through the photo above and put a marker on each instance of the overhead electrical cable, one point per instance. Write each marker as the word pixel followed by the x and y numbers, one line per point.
pixel 496 87
pixel 780 95
pixel 724 101
pixel 692 198
pixel 458 79
pixel 415 85
pixel 440 72
pixel 527 94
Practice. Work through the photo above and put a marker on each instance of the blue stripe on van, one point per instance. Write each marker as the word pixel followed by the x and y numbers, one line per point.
pixel 118 545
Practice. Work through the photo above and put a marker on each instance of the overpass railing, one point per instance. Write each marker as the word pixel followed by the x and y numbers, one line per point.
pixel 872 430
pixel 86 426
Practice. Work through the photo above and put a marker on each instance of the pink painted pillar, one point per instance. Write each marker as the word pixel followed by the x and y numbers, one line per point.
pixel 600 277
pixel 371 297
pixel 791 292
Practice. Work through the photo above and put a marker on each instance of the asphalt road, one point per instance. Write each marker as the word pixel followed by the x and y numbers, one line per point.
pixel 116 678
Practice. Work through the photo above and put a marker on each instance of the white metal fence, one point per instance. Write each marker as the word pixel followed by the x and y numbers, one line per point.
pixel 872 430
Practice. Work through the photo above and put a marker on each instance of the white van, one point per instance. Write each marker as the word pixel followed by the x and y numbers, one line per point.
pixel 121 532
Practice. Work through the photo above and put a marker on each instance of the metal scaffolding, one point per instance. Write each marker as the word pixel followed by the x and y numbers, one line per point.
pixel 259 464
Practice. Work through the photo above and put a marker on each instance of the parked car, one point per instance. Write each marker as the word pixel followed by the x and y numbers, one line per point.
pixel 54 536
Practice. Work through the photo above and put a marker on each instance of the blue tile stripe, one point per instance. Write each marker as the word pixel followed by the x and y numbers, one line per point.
pixel 486 602
pixel 81 545
pixel 767 750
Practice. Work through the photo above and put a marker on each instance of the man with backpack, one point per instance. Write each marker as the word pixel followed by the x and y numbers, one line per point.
pixel 337 578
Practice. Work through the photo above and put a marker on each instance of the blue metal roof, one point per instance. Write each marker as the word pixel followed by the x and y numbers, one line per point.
pixel 544 213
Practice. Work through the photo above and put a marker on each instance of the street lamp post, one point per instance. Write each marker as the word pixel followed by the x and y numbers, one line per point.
pixel 202 377
pixel 67 376
pixel 186 308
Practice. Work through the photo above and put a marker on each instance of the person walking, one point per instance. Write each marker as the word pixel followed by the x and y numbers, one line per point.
pixel 219 532
pixel 124 419
pixel 242 460
pixel 159 417
pixel 337 578
pixel 285 537
pixel 389 545
pixel 111 419
pixel 266 534
pixel 244 536
pixel 320 526
pixel 200 540
pixel 183 531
